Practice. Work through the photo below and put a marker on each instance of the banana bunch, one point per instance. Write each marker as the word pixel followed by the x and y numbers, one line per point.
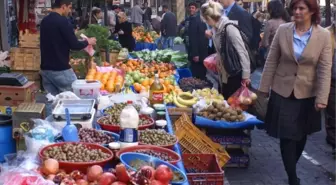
pixel 168 98
pixel 184 100
pixel 209 95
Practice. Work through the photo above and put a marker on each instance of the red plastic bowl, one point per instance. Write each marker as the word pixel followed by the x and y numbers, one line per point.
pixel 152 148
pixel 113 128
pixel 81 166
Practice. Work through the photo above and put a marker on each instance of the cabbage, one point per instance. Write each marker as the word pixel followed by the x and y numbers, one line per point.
pixel 178 40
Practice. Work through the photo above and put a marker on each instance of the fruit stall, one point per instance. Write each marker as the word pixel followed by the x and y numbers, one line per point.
pixel 139 120
pixel 145 39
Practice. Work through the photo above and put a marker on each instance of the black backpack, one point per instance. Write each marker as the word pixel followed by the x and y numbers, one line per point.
pixel 230 55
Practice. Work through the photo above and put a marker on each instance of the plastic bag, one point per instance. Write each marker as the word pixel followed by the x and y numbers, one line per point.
pixel 41 135
pixel 242 98
pixel 89 49
pixel 210 62
pixel 68 95
pixel 19 176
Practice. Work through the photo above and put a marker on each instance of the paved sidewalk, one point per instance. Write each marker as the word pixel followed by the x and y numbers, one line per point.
pixel 316 166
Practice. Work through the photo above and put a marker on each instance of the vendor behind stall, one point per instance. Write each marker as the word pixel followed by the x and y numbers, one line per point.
pixel 57 38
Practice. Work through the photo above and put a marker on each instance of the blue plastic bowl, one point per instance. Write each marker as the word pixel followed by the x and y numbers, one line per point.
pixel 114 135
pixel 126 159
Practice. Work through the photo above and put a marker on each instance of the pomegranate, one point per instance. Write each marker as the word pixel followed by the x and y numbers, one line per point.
pixel 118 183
pixel 164 174
pixel 122 174
pixel 156 182
pixel 107 179
pixel 148 172
pixel 82 182
pixel 94 173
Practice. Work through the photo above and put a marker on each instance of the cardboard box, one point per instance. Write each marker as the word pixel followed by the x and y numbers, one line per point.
pixel 24 113
pixel 14 95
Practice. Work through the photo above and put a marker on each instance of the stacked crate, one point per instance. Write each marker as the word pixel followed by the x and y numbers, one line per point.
pixel 236 142
pixel 26 59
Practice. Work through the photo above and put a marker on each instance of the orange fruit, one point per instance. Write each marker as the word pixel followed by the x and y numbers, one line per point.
pixel 151 81
pixel 137 87
pixel 145 82
pixel 166 82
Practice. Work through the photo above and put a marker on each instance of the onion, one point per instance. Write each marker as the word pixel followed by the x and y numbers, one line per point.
pixel 50 166
pixel 94 173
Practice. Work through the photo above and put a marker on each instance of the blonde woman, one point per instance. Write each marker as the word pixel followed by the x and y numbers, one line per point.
pixel 211 13
pixel 124 30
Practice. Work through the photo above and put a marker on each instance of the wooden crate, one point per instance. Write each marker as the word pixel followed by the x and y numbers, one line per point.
pixel 29 40
pixel 25 59
pixel 113 57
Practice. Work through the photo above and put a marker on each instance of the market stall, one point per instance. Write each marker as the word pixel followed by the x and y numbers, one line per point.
pixel 145 39
pixel 138 118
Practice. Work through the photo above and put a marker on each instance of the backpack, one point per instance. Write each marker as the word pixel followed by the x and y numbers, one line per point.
pixel 230 55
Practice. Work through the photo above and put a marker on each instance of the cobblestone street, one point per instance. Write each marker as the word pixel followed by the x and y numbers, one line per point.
pixel 316 166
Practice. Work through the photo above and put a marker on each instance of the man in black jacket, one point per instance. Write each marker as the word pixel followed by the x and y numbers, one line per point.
pixel 168 28
pixel 147 17
pixel 196 41
pixel 247 23
pixel 57 38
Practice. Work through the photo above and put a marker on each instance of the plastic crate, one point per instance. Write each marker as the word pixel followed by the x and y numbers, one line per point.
pixel 203 169
pixel 239 159
pixel 184 73
pixel 193 141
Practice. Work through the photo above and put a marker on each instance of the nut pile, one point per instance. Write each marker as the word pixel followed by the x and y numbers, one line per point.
pixel 75 153
pixel 160 155
pixel 111 120
pixel 90 135
pixel 158 137
pixel 191 83
pixel 218 112
pixel 116 109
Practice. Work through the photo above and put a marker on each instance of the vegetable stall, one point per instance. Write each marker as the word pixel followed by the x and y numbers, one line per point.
pixel 137 120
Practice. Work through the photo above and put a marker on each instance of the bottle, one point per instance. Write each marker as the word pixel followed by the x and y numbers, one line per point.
pixel 156 91
pixel 129 123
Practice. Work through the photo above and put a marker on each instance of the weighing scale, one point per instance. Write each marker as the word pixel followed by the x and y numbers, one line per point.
pixel 84 123
pixel 13 79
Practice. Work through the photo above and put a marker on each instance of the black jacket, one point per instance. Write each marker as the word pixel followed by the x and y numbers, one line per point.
pixel 244 19
pixel 169 25
pixel 197 43
pixel 148 14
pixel 126 40
pixel 57 38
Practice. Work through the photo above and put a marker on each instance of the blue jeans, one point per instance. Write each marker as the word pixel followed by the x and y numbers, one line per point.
pixel 167 42
pixel 55 82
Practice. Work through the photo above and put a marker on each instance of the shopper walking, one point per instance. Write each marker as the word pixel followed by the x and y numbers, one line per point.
pixel 168 28
pixel 196 41
pixel 57 38
pixel 124 30
pixel 136 15
pixel 212 14
pixel 330 116
pixel 277 12
pixel 96 18
pixel 147 17
pixel 298 72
